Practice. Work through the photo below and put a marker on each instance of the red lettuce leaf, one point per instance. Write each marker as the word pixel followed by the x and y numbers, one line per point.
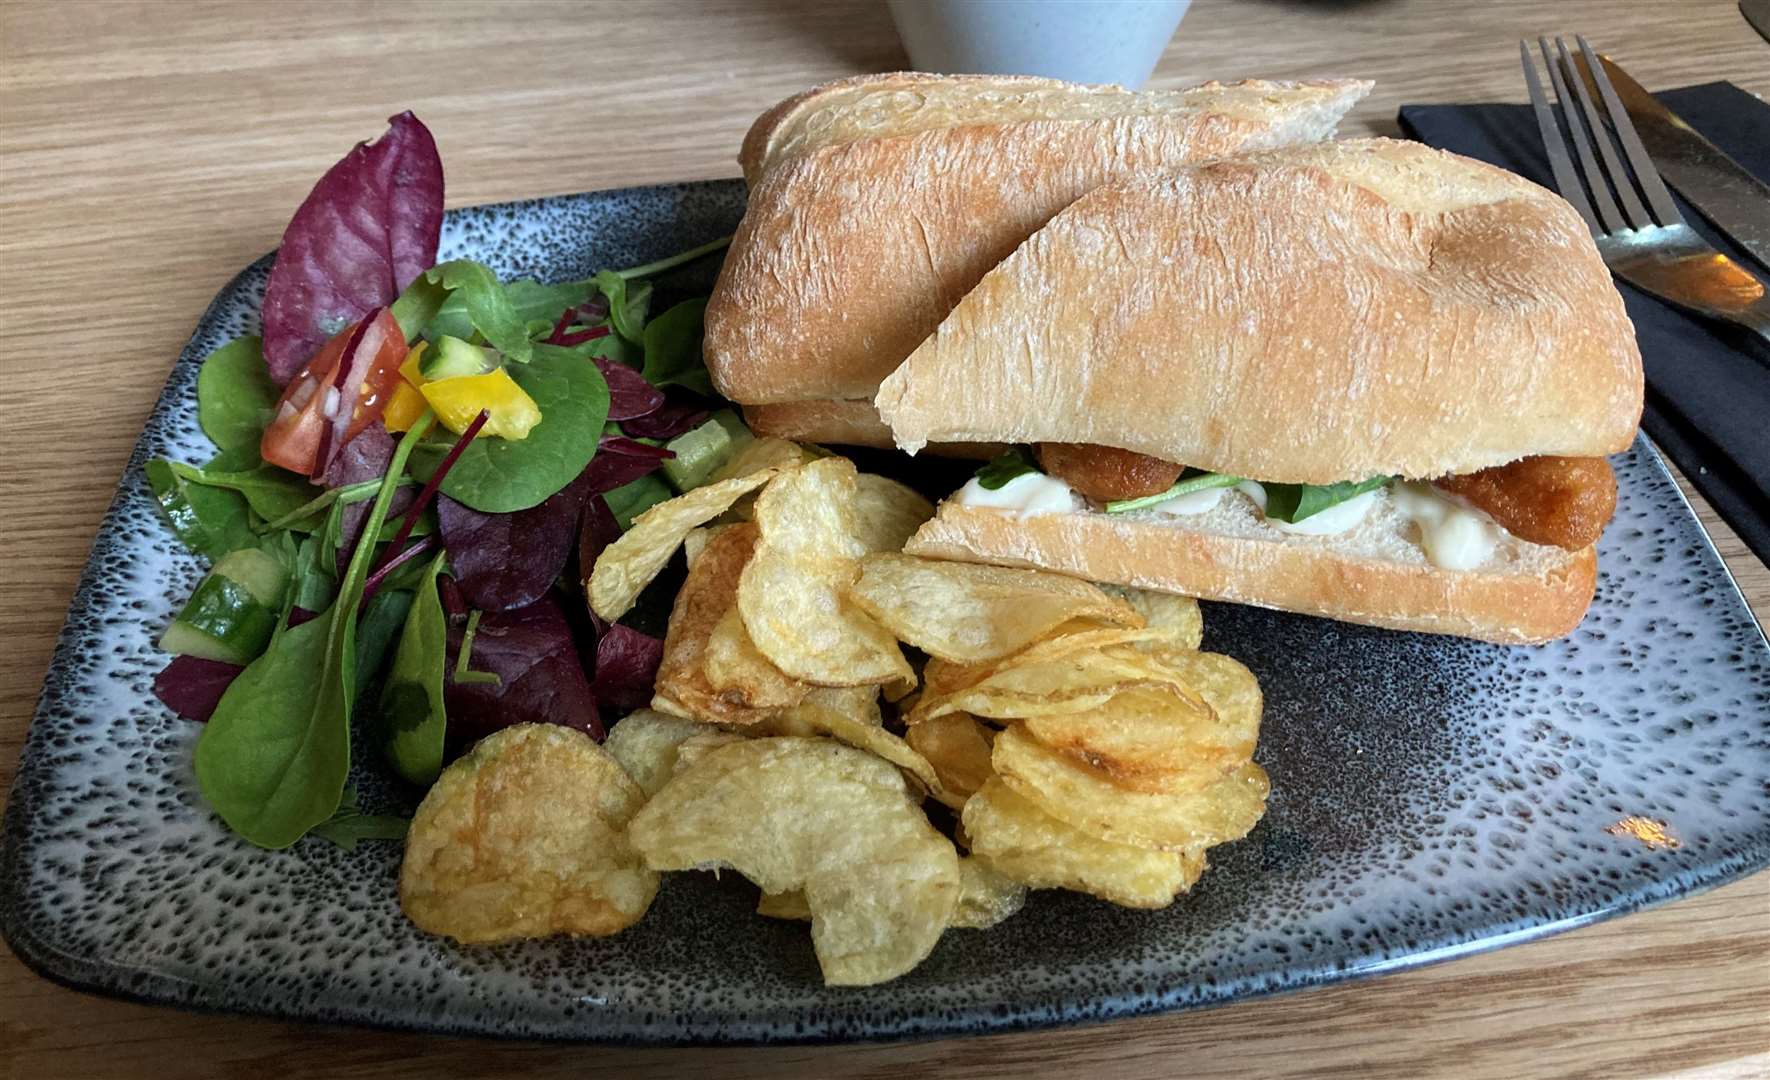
pixel 620 461
pixel 368 228
pixel 541 680
pixel 364 458
pixel 599 530
pixel 192 687
pixel 626 667
pixel 667 421
pixel 629 395
pixel 505 561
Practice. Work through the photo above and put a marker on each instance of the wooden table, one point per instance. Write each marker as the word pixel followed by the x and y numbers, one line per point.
pixel 149 150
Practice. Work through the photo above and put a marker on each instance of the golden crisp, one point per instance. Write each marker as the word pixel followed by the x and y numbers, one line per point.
pixel 791 594
pixel 887 513
pixel 1178 617
pixel 682 687
pixel 957 747
pixel 787 905
pixel 762 454
pixel 1083 680
pixel 526 837
pixel 626 567
pixel 645 743
pixel 841 713
pixel 986 895
pixel 1014 836
pixel 818 816
pixel 969 613
pixel 942 678
pixel 739 673
pixel 1093 802
pixel 696 747
pixel 1154 739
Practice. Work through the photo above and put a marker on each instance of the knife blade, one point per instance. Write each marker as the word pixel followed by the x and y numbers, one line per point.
pixel 1757 12
pixel 1735 200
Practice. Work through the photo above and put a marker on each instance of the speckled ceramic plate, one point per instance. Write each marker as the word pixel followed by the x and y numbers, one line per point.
pixel 1431 797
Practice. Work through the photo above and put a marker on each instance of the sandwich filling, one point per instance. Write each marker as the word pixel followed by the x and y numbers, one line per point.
pixel 1458 520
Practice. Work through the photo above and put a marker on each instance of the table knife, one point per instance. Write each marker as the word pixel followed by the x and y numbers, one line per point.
pixel 1735 200
pixel 1757 12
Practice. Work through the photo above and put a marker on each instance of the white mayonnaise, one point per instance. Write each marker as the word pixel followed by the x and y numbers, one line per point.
pixel 1454 536
pixel 1027 495
pixel 1337 518
pixel 1253 490
pixel 1193 502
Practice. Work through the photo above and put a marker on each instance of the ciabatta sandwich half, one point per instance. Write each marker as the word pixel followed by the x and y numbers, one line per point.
pixel 877 202
pixel 1367 380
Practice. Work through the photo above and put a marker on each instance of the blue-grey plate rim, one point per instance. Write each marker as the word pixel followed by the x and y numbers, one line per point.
pixel 1642 469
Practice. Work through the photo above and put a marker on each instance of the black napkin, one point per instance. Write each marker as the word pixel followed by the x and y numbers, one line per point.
pixel 1708 383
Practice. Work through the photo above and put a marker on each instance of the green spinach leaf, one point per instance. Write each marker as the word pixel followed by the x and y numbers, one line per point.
pixel 417 307
pixel 681 258
pixel 1018 461
pixel 314 571
pixel 210 521
pixel 673 348
pixel 413 721
pixel 349 826
pixel 636 497
pixel 1296 502
pixel 487 307
pixel 273 759
pixel 499 476
pixel 539 306
pixel 235 397
pixel 627 303
pixel 273 493
pixel 1186 485
pixel 383 615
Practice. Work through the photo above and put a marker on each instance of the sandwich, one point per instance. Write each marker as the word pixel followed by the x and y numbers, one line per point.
pixel 1367 380
pixel 876 203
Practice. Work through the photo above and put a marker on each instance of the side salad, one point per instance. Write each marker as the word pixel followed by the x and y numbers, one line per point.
pixel 407 462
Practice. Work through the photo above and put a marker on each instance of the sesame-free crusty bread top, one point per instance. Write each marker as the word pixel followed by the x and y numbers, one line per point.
pixel 1307 315
pixel 876 203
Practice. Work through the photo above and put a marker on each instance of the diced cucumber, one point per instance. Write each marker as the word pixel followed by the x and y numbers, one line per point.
pixel 700 452
pixel 632 499
pixel 449 357
pixel 234 610
pixel 259 571
pixel 735 427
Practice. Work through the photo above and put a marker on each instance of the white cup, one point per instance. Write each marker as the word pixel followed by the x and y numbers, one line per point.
pixel 1089 41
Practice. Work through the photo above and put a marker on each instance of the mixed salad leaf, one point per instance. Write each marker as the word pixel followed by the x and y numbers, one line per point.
pixel 368 228
pixel 406 463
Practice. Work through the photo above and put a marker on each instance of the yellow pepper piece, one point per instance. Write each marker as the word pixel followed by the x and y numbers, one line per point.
pixel 407 404
pixel 458 400
pixel 412 369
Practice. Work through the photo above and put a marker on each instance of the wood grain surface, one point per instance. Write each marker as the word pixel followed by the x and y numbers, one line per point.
pixel 149 150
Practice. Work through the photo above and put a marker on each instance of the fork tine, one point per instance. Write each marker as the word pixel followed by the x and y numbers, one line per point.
pixel 1663 207
pixel 1566 180
pixel 1595 177
pixel 1613 167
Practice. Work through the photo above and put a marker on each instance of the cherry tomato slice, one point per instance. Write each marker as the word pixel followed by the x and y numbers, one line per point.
pixel 360 365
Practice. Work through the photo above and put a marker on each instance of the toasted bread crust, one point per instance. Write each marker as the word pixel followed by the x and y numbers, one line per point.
pixel 1308 315
pixel 845 423
pixel 877 203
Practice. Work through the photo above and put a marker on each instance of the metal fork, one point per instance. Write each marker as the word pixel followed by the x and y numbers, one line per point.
pixel 1647 244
